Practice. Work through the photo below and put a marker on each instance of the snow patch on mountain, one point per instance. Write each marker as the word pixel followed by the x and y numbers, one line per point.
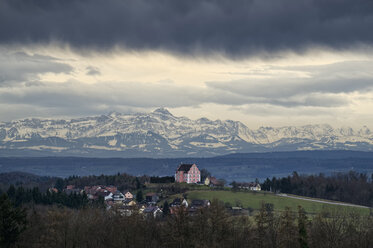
pixel 161 134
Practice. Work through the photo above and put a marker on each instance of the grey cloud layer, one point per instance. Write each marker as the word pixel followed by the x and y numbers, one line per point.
pixel 80 99
pixel 21 89
pixel 340 77
pixel 113 96
pixel 287 87
pixel 233 27
pixel 324 86
pixel 92 71
pixel 20 67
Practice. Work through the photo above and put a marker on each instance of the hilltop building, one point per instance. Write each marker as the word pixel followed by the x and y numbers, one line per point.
pixel 188 173
pixel 250 186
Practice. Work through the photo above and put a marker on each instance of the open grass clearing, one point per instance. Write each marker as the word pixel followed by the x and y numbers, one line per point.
pixel 254 201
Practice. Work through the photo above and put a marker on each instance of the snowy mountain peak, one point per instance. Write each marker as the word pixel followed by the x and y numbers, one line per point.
pixel 162 111
pixel 114 113
pixel 364 131
pixel 160 134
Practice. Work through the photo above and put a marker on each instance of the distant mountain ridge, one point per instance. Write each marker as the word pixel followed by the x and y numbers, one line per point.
pixel 161 134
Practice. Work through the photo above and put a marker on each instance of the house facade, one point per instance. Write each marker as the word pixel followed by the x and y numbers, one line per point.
pixel 250 186
pixel 179 202
pixel 214 182
pixel 207 181
pixel 256 187
pixel 153 211
pixel 151 198
pixel 188 173
pixel 128 195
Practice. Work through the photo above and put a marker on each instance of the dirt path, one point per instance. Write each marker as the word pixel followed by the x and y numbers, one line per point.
pixel 321 201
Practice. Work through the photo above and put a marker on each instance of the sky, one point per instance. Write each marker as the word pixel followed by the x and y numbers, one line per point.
pixel 261 62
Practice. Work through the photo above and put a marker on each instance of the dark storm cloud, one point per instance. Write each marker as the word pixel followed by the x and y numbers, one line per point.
pixel 233 27
pixel 63 97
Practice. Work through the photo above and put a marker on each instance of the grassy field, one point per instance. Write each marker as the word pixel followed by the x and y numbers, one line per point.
pixel 254 200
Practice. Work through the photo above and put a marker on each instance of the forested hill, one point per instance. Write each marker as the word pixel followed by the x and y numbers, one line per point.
pixel 234 167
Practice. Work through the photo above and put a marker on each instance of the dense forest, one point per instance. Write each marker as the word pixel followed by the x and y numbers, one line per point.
pixel 26 180
pixel 353 187
pixel 122 181
pixel 32 218
pixel 209 227
pixel 20 196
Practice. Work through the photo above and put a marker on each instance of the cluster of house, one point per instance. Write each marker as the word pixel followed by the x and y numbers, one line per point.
pixel 250 186
pixel 125 203
pixel 189 173
pixel 110 194
pixel 180 204
pixel 177 204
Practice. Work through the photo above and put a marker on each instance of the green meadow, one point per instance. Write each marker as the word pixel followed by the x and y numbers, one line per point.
pixel 254 201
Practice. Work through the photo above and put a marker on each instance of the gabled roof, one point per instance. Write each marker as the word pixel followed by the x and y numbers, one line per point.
pixel 185 167
pixel 151 209
pixel 214 181
pixel 251 184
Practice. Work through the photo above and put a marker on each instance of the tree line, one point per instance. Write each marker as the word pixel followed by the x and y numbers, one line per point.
pixel 20 196
pixel 166 179
pixel 122 181
pixel 208 227
pixel 352 187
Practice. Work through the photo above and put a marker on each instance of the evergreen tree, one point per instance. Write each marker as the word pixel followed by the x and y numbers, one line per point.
pixel 266 226
pixel 59 184
pixel 302 227
pixel 11 192
pixel 287 230
pixel 20 196
pixel 138 184
pixel 36 195
pixel 267 185
pixel 204 174
pixel 139 196
pixel 234 186
pixel 12 222
pixel 166 209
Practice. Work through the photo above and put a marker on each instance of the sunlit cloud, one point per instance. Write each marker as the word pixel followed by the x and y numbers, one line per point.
pixel 309 88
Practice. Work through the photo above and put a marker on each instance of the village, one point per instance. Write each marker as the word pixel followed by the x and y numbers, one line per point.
pixel 154 202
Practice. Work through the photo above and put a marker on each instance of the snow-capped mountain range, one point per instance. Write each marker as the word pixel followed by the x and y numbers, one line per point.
pixel 161 134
